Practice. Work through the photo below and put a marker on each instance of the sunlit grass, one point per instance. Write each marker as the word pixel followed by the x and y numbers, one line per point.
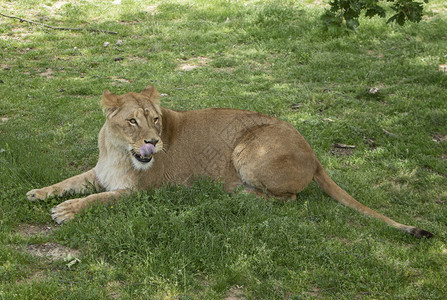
pixel 198 242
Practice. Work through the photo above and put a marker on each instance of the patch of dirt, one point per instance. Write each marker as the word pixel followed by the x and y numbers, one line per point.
pixel 341 151
pixel 188 67
pixel 113 288
pixel 398 187
pixel 51 251
pixel 34 277
pixel 315 293
pixel 341 240
pixel 152 9
pixel 119 81
pixel 235 293
pixel 9 37
pixel 257 66
pixel 56 6
pixel 442 198
pixel 193 63
pixel 4 119
pixel 137 59
pixel 27 230
pixel 17 33
pixel 23 51
pixel 375 54
pixel 48 73
pixel 443 68
pixel 439 138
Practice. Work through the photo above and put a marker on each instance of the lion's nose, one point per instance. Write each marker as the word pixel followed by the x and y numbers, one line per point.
pixel 152 141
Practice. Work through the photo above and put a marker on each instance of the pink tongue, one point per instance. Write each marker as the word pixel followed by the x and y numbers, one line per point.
pixel 147 150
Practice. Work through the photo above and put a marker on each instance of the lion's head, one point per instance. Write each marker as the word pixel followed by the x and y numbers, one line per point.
pixel 135 123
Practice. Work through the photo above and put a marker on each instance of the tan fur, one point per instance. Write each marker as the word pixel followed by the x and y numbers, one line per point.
pixel 241 148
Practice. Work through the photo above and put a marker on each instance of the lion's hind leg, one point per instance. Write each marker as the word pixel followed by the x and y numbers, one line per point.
pixel 274 160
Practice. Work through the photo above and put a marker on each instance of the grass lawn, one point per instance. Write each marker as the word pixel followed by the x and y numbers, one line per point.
pixel 382 90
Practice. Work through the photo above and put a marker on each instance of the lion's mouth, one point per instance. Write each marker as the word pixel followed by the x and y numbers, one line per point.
pixel 140 158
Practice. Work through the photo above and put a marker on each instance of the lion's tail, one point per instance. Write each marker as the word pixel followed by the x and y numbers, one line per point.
pixel 332 189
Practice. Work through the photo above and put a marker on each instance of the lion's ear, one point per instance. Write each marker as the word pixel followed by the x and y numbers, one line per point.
pixel 152 93
pixel 110 102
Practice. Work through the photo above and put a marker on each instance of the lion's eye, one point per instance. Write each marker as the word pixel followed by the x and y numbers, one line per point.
pixel 156 120
pixel 133 121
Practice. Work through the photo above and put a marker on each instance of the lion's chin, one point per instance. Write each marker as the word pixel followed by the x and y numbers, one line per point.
pixel 139 162
pixel 141 166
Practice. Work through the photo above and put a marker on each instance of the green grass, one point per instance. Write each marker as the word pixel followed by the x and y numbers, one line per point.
pixel 198 242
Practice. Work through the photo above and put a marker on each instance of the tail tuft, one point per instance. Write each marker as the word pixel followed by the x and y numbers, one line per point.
pixel 420 233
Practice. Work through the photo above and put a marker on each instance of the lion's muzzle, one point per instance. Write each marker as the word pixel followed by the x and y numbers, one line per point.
pixel 147 150
pixel 145 154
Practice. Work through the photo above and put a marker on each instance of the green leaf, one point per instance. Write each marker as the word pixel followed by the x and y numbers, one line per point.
pixel 375 11
pixel 347 12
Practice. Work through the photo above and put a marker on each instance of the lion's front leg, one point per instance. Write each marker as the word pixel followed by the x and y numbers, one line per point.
pixel 78 184
pixel 68 209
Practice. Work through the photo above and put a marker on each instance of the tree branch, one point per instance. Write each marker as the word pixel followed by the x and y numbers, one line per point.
pixel 58 28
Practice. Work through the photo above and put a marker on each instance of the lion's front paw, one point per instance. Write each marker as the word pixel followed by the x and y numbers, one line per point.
pixel 37 194
pixel 66 210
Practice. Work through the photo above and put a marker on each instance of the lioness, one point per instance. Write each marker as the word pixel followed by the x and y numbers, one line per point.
pixel 143 146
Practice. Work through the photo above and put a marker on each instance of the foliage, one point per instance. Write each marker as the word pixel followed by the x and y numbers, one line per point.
pixel 348 12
